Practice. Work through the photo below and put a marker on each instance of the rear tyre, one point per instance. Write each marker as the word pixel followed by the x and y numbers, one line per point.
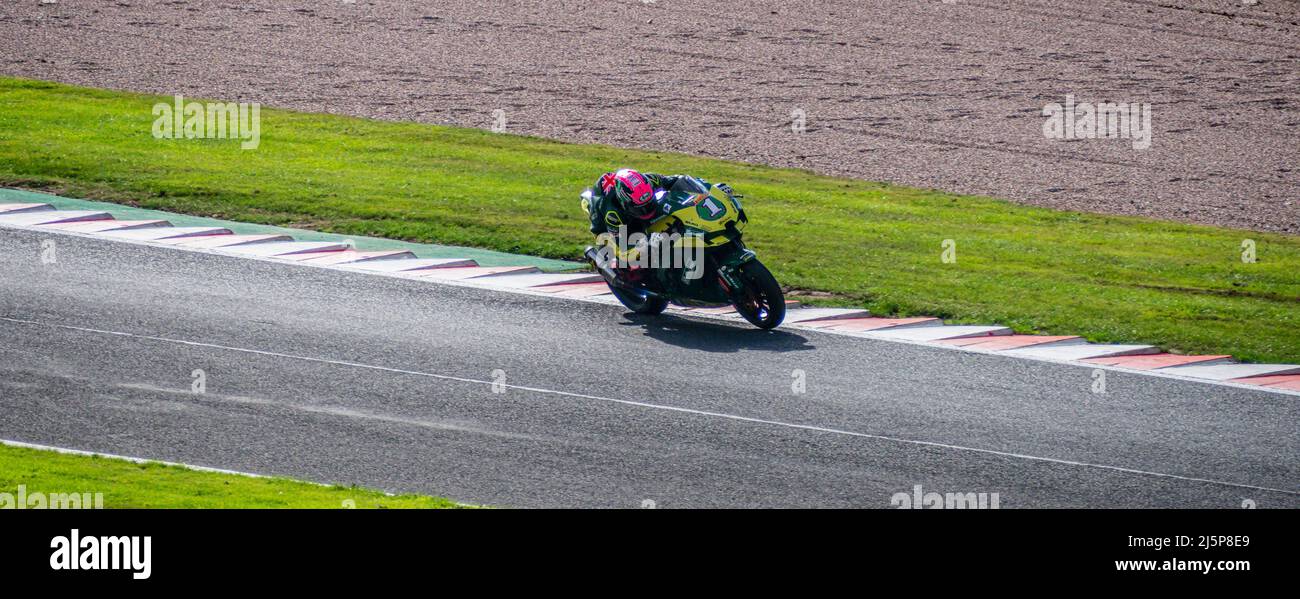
pixel 639 302
pixel 761 302
pixel 636 301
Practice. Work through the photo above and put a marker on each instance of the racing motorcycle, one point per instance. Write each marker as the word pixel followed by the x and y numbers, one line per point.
pixel 701 228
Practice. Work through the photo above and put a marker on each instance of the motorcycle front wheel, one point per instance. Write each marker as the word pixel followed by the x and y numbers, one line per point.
pixel 761 301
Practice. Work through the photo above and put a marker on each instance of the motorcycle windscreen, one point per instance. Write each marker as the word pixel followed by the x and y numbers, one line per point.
pixel 688 185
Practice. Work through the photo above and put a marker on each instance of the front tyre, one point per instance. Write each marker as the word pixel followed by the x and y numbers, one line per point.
pixel 761 302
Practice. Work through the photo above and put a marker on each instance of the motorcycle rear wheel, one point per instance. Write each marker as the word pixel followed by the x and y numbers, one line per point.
pixel 639 302
pixel 761 302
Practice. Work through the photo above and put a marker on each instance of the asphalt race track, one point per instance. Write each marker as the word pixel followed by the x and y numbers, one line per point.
pixel 356 379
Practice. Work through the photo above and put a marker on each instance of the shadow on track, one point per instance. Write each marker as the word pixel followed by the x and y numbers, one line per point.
pixel 717 338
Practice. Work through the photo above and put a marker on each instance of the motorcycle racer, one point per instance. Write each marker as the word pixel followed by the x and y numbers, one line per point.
pixel 627 197
pixel 664 239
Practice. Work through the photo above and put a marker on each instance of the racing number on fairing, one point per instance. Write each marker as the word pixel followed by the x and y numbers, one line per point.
pixel 715 211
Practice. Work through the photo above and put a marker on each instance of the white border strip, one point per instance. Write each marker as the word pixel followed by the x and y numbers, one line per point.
pixel 111 456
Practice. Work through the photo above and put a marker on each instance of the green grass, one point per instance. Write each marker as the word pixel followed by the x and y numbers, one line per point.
pixel 126 484
pixel 1111 279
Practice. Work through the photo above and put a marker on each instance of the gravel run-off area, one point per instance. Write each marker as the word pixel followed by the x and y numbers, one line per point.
pixel 945 94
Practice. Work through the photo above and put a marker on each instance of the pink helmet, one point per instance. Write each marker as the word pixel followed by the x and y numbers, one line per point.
pixel 634 192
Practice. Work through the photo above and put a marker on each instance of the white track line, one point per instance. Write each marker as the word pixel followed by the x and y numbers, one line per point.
pixel 627 402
